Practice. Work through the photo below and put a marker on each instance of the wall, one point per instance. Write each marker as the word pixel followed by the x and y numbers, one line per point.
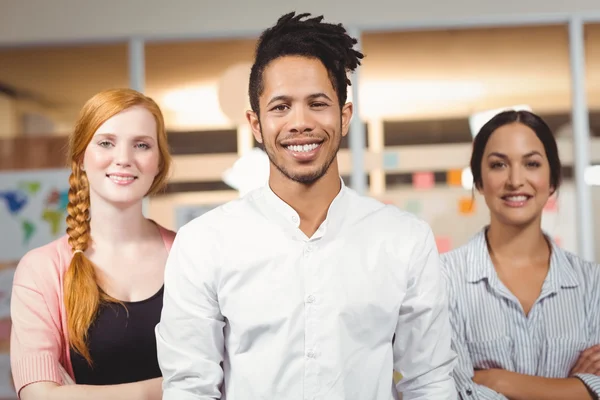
pixel 34 21
pixel 8 117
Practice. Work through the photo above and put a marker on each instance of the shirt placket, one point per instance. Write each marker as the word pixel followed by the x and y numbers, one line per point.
pixel 311 305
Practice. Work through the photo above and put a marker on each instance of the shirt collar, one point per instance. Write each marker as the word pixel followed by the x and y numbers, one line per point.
pixel 288 214
pixel 560 273
pixel 481 266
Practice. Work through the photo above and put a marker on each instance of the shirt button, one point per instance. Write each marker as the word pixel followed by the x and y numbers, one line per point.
pixel 310 354
pixel 469 392
pixel 295 219
pixel 310 299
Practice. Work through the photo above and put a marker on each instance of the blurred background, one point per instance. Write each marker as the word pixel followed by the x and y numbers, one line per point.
pixel 432 73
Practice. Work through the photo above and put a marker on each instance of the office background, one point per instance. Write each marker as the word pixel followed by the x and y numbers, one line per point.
pixel 430 68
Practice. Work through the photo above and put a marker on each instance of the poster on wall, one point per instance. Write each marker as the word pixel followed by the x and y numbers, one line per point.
pixel 33 207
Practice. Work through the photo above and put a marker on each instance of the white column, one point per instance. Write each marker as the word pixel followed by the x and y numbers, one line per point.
pixel 137 81
pixel 376 146
pixel 356 141
pixel 581 140
pixel 137 65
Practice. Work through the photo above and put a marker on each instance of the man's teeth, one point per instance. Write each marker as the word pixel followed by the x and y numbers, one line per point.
pixel 121 178
pixel 303 148
pixel 516 198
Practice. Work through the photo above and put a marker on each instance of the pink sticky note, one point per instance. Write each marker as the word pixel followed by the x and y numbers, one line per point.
pixel 551 205
pixel 444 244
pixel 423 180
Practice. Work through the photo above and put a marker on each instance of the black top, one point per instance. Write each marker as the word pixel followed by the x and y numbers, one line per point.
pixel 122 346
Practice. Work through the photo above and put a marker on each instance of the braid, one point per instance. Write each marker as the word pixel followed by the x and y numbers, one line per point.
pixel 310 37
pixel 78 226
pixel 83 295
pixel 81 291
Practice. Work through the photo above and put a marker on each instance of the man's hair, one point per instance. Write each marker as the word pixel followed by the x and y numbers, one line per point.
pixel 296 35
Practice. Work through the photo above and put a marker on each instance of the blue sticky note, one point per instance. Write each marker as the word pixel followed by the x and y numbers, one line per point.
pixel 390 160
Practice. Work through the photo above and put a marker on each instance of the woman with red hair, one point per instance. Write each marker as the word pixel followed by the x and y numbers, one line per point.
pixel 84 307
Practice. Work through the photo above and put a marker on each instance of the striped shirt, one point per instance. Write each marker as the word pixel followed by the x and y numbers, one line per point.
pixel 490 329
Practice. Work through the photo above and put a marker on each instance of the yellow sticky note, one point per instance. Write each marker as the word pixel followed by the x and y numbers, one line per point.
pixel 397 377
pixel 454 177
pixel 466 206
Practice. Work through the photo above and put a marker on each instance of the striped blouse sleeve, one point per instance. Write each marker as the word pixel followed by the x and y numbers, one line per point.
pixel 463 371
pixel 593 315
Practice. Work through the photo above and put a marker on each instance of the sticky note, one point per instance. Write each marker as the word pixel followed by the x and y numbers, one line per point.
pixel 397 377
pixel 390 160
pixel 413 206
pixel 423 180
pixel 466 206
pixel 444 244
pixel 551 205
pixel 454 177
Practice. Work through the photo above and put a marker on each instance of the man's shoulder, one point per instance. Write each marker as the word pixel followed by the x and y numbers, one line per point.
pixel 389 216
pixel 221 216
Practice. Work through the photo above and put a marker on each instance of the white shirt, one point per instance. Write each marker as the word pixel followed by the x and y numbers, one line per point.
pixel 254 309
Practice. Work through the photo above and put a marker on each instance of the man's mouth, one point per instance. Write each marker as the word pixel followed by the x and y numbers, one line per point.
pixel 303 148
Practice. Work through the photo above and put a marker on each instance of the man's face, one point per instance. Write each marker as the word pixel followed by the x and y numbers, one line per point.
pixel 301 124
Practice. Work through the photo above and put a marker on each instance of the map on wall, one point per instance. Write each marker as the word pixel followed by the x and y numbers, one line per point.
pixel 33 207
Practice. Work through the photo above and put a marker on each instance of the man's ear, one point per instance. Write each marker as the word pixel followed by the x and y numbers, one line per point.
pixel 254 122
pixel 347 111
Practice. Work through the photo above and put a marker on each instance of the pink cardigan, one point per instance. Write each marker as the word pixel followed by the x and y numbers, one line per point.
pixel 39 341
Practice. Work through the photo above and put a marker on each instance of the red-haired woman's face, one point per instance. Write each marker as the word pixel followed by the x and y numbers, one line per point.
pixel 122 159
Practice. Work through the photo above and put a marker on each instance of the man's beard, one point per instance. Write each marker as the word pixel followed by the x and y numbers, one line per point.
pixel 305 179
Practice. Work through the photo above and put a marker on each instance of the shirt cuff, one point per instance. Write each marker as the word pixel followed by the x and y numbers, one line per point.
pixel 41 367
pixel 591 381
pixel 176 394
pixel 477 392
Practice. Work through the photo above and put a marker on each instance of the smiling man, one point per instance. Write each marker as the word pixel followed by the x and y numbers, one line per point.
pixel 303 289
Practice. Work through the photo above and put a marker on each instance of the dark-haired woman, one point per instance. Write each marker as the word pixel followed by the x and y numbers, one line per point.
pixel 524 312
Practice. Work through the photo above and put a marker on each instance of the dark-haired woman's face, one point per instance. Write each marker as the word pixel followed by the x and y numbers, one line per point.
pixel 515 175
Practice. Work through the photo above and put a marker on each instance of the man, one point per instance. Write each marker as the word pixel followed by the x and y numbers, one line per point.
pixel 303 289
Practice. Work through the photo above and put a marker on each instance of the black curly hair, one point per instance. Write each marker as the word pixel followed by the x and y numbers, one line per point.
pixel 293 35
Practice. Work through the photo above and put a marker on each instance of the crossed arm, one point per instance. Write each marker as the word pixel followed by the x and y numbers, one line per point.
pixel 582 383
pixel 146 390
